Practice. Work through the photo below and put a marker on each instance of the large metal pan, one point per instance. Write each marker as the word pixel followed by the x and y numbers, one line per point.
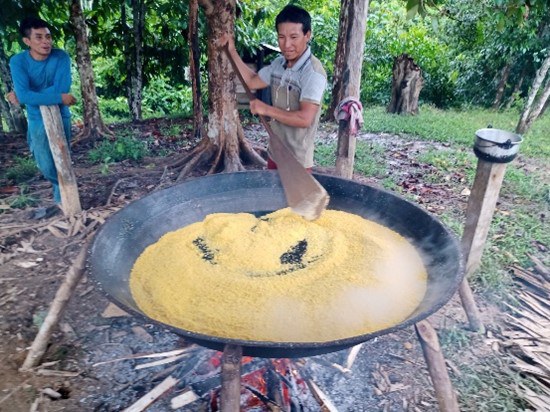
pixel 125 235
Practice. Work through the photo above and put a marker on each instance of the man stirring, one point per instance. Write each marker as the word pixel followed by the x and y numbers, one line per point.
pixel 297 82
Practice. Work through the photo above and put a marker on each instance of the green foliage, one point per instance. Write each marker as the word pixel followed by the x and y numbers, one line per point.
pixel 125 147
pixel 325 154
pixel 368 159
pixel 160 98
pixel 22 170
pixel 23 200
pixel 114 110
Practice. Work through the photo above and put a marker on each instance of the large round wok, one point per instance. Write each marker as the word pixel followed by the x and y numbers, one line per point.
pixel 128 232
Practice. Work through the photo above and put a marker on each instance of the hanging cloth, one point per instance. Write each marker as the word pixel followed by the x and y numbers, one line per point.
pixel 350 109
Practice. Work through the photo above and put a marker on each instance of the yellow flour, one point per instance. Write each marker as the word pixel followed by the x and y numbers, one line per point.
pixel 280 278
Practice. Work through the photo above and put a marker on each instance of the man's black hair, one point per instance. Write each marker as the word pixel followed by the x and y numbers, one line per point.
pixel 29 23
pixel 294 14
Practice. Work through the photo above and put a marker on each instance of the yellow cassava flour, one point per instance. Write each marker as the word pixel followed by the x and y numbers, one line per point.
pixel 280 278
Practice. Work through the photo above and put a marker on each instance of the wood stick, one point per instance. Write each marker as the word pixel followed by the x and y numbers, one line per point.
pixel 324 401
pixel 231 378
pixel 59 303
pixel 470 307
pixel 185 398
pixel 149 355
pixel 70 199
pixel 353 355
pixel 437 368
pixel 160 362
pixel 479 213
pixel 151 396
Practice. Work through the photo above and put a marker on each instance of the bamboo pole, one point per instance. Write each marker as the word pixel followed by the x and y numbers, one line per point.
pixel 437 368
pixel 70 199
pixel 58 305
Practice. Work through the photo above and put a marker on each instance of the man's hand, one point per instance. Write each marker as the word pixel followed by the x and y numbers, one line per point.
pixel 12 98
pixel 258 107
pixel 68 99
pixel 226 39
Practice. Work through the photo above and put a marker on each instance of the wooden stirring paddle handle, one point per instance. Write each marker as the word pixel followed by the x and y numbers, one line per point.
pixel 304 194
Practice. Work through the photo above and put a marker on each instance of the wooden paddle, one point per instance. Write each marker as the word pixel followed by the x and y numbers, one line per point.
pixel 304 194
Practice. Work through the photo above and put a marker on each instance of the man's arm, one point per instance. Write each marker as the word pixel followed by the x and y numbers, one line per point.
pixel 55 94
pixel 303 117
pixel 253 81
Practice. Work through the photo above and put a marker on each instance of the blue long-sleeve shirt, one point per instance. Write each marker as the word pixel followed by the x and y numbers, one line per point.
pixel 41 82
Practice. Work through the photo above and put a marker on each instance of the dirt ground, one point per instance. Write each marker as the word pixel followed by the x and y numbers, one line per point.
pixel 389 373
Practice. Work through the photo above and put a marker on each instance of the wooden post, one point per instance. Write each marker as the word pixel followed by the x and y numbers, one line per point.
pixel 347 76
pixel 70 199
pixel 231 378
pixel 59 303
pixel 437 368
pixel 479 213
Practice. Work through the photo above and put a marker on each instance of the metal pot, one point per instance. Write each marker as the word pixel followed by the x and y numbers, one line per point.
pixel 125 235
pixel 498 146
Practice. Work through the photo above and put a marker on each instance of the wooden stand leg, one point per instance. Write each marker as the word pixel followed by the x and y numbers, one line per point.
pixel 231 378
pixel 470 307
pixel 479 213
pixel 435 361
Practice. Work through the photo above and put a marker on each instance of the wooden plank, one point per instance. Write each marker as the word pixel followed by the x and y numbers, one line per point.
pixel 479 213
pixel 70 199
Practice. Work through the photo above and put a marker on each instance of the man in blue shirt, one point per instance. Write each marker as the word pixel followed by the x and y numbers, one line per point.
pixel 42 77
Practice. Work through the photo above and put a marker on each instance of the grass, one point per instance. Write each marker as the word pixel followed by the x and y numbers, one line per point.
pixel 23 169
pixel 459 127
pixel 489 386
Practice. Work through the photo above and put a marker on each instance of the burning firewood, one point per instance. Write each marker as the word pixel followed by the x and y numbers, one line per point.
pixel 152 395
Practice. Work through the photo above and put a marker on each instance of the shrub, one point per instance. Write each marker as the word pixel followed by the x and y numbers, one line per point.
pixel 23 169
pixel 125 147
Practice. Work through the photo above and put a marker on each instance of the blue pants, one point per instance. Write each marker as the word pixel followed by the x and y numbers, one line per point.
pixel 40 149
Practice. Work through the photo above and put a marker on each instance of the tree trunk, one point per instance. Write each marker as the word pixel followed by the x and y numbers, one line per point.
pixel 347 80
pixel 138 10
pixel 134 56
pixel 348 61
pixel 407 83
pixel 505 73
pixel 528 116
pixel 5 112
pixel 139 24
pixel 539 106
pixel 194 60
pixel 93 123
pixel 14 115
pixel 224 147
